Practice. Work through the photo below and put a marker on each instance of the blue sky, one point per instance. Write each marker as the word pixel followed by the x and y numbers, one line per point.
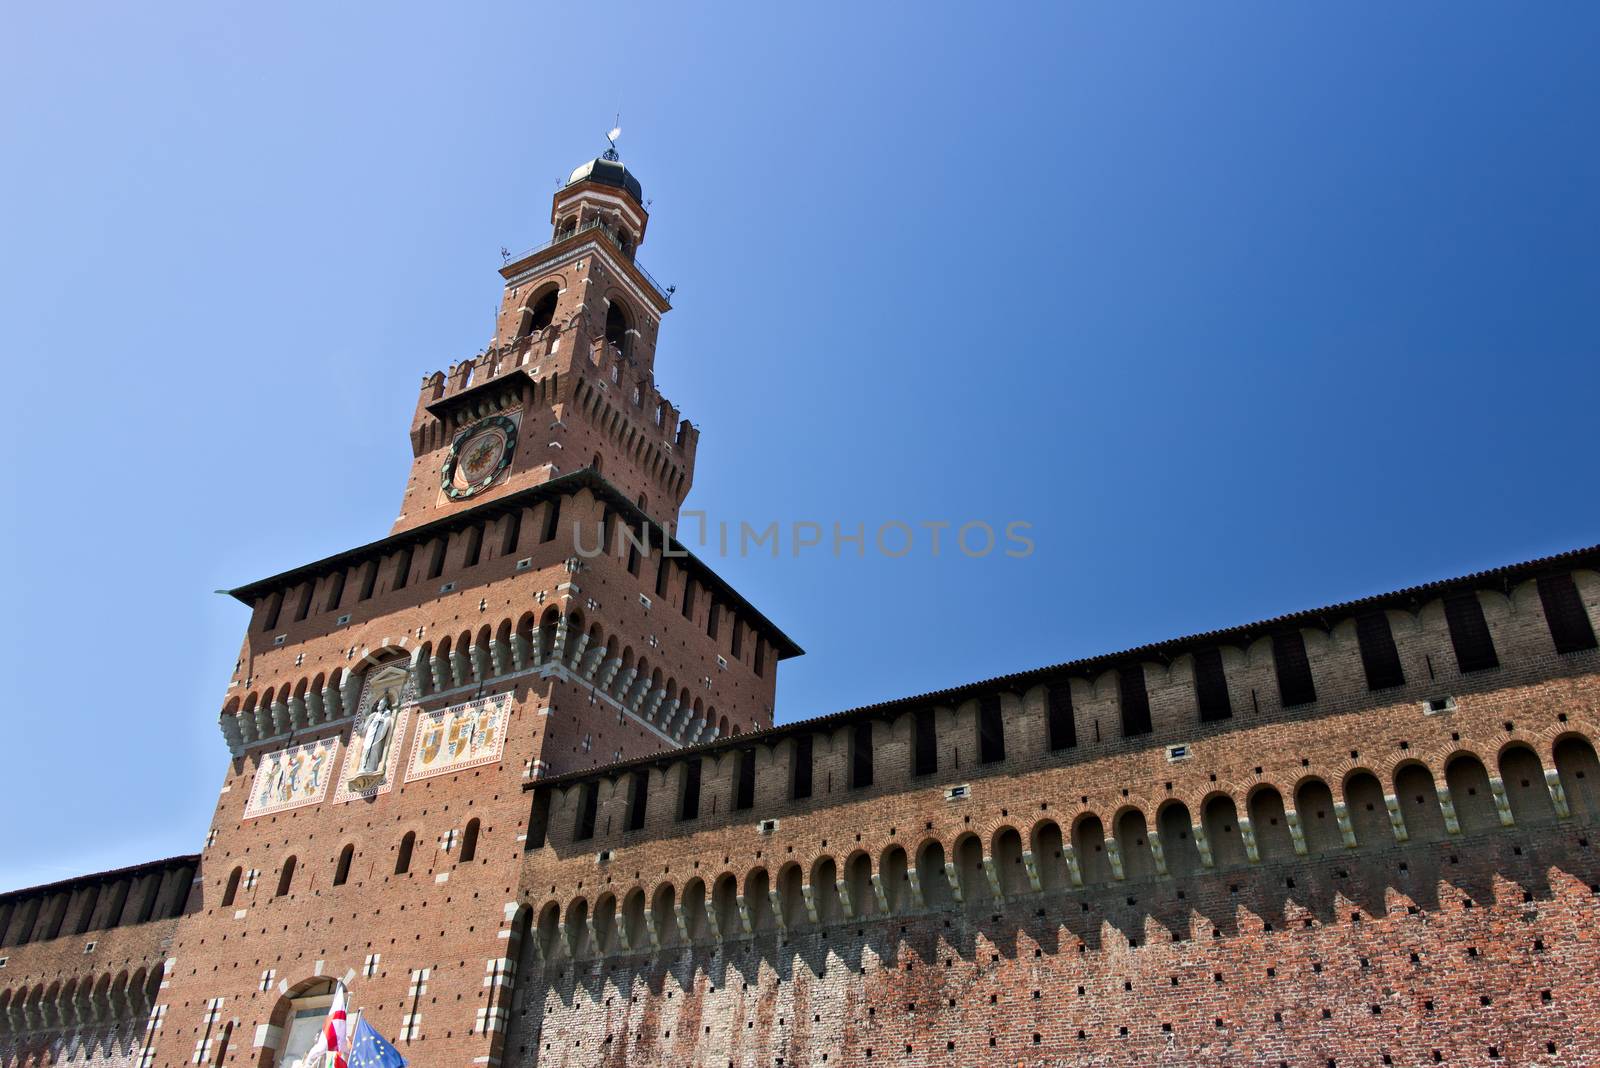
pixel 1245 308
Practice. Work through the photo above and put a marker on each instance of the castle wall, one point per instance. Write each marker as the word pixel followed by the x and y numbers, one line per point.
pixel 1362 825
pixel 1464 953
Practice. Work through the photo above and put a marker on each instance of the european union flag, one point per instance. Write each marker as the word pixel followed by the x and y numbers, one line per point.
pixel 369 1050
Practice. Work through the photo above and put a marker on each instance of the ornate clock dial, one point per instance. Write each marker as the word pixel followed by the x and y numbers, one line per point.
pixel 478 456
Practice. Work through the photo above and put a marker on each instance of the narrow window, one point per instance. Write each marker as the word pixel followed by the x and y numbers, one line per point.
pixel 274 607
pixel 436 564
pixel 991 730
pixel 341 871
pixel 402 860
pixel 511 533
pixel 663 576
pixel 1063 728
pixel 617 328
pixel 924 742
pixel 369 579
pixel 552 520
pixel 1211 686
pixel 304 608
pixel 688 598
pixel 285 877
pixel 712 616
pixel 538 821
pixel 1135 701
pixel 634 561
pixel 146 910
pixel 586 810
pixel 1469 632
pixel 231 891
pixel 744 788
pixel 738 638
pixel 638 798
pixel 1295 686
pixel 61 912
pixel 761 656
pixel 689 804
pixel 469 842
pixel 861 756
pixel 800 780
pixel 86 909
pixel 474 546
pixel 1564 614
pixel 402 569
pixel 335 591
pixel 1379 657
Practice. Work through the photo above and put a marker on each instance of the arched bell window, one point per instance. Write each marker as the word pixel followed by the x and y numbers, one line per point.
pixel 538 315
pixel 617 327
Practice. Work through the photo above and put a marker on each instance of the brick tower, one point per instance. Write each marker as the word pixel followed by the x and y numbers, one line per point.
pixel 529 614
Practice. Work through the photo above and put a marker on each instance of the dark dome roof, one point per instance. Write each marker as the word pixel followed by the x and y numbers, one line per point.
pixel 609 172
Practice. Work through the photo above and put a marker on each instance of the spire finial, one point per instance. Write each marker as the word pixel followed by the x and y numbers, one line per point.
pixel 611 140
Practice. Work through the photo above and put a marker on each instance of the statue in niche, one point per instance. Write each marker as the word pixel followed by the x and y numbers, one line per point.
pixel 375 737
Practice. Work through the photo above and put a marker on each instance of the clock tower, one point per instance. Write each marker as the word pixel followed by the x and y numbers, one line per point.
pixel 528 614
pixel 568 380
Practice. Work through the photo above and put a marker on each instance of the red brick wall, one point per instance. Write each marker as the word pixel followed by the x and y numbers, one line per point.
pixel 845 983
pixel 1240 970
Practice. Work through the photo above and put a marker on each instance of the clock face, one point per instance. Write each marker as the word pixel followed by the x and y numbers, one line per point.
pixel 478 456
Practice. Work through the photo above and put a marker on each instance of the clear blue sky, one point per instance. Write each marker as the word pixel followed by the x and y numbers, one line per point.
pixel 1245 308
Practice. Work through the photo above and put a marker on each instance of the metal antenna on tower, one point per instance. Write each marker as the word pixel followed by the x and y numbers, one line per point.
pixel 611 139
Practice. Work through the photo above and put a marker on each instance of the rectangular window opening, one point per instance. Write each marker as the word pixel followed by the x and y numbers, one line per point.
pixel 402 569
pixel 1380 659
pixel 1211 686
pixel 369 579
pixel 689 803
pixel 1564 613
pixel 1469 632
pixel 552 520
pixel 801 777
pixel 991 730
pixel 925 742
pixel 512 533
pixel 1063 728
pixel 638 798
pixel 1295 686
pixel 861 756
pixel 587 804
pixel 744 788
pixel 335 591
pixel 1135 701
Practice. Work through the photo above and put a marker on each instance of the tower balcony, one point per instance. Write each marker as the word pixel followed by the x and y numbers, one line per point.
pixel 592 228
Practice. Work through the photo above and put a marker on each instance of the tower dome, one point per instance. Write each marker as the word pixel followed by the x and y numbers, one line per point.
pixel 609 170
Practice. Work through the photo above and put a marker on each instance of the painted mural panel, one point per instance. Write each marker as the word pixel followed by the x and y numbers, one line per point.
pixel 458 737
pixel 372 759
pixel 289 778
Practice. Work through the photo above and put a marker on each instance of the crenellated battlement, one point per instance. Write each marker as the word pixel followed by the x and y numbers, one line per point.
pixel 1422 650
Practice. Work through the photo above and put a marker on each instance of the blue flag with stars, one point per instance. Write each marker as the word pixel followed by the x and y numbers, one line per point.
pixel 369 1050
